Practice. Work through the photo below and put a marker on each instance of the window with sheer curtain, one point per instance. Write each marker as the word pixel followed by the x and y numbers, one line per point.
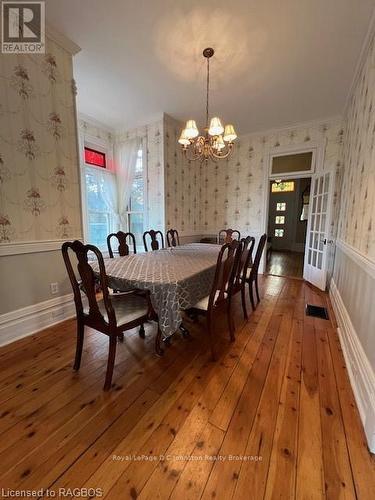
pixel 136 206
pixel 101 205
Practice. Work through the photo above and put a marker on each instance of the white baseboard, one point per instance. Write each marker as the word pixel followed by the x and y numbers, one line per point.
pixel 31 319
pixel 361 374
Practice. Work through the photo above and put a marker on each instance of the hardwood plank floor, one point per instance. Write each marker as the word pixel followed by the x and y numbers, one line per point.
pixel 274 415
pixel 285 263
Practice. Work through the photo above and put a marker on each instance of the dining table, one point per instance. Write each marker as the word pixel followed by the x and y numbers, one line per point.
pixel 176 278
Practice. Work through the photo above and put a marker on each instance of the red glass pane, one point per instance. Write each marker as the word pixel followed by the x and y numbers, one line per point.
pixel 93 157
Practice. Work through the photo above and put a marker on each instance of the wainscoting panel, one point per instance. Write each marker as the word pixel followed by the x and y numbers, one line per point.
pixel 352 293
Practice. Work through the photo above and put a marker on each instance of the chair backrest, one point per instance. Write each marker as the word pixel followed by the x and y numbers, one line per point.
pixel 88 282
pixel 223 279
pixel 123 247
pixel 227 235
pixel 172 238
pixel 258 255
pixel 155 245
pixel 243 260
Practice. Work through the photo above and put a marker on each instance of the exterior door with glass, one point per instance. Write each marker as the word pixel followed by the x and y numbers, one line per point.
pixel 320 211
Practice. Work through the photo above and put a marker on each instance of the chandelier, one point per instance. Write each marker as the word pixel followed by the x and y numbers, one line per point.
pixel 217 141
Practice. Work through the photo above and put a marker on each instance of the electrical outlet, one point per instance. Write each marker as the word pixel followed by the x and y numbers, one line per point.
pixel 54 288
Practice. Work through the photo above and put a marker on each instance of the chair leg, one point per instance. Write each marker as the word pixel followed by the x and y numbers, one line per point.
pixel 243 300
pixel 210 337
pixel 159 351
pixel 80 336
pixel 121 337
pixel 142 331
pixel 256 288
pixel 230 322
pixel 111 362
pixel 251 295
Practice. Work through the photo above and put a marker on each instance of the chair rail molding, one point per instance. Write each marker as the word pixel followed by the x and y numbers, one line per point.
pixel 361 374
pixel 21 247
pixel 17 324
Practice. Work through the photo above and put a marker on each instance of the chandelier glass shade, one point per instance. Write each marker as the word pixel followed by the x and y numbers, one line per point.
pixel 217 141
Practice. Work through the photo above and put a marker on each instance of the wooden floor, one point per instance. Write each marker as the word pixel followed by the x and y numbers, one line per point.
pixel 276 411
pixel 289 264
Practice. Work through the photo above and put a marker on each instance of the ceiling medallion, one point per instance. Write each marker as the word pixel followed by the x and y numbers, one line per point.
pixel 217 141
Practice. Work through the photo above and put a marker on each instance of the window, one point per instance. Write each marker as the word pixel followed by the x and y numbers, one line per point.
pixel 101 203
pixel 280 219
pixel 279 233
pixel 137 201
pixel 280 207
pixel 94 157
pixel 283 187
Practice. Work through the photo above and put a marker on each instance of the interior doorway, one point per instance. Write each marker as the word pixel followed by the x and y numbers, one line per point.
pixel 287 226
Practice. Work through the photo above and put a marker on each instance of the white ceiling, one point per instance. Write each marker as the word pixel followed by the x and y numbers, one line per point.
pixel 277 62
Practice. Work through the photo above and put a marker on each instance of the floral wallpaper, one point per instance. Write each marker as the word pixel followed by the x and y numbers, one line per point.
pixel 182 181
pixel 202 199
pixel 357 211
pixel 39 185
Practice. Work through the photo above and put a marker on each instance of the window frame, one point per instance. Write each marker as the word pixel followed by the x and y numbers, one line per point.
pixel 314 147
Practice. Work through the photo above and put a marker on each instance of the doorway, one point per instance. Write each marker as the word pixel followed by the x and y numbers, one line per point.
pixel 287 226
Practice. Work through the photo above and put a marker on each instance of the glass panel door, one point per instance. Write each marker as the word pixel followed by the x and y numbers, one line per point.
pixel 317 231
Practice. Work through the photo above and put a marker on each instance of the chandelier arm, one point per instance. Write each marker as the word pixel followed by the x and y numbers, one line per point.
pixel 224 155
pixel 194 157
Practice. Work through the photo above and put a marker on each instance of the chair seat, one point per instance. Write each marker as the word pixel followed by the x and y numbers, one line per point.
pixel 202 304
pixel 127 308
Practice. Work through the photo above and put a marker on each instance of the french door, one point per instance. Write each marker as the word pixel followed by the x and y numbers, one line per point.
pixel 320 210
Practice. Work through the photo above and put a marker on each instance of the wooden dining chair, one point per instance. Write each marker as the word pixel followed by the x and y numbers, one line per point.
pixel 172 238
pixel 252 272
pixel 228 235
pixel 111 315
pixel 153 235
pixel 123 248
pixel 219 296
pixel 243 263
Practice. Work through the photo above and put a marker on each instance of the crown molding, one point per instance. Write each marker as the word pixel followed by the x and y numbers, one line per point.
pixel 83 118
pixel 53 34
pixel 307 124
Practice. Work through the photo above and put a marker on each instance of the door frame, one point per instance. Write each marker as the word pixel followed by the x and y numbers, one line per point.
pixel 317 149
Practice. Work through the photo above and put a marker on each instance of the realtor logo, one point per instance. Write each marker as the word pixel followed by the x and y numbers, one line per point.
pixel 23 27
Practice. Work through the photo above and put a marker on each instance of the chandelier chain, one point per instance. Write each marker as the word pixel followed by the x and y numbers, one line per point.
pixel 208 89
